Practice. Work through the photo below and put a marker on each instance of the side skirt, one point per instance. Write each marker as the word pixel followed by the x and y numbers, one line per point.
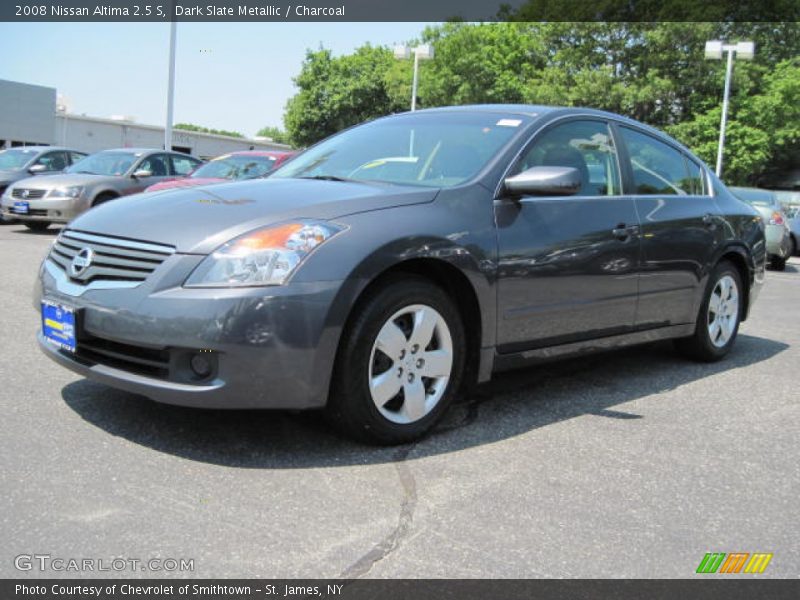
pixel 506 362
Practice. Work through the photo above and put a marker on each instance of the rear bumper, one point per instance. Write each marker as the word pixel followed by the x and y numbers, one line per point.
pixel 779 241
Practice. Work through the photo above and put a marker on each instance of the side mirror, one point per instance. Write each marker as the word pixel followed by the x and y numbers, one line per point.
pixel 142 173
pixel 545 181
pixel 35 169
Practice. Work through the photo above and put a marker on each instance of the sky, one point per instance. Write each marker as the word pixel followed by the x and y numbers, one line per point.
pixel 233 76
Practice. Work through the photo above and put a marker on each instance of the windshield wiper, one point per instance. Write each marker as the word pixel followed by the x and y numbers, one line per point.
pixel 326 178
pixel 84 172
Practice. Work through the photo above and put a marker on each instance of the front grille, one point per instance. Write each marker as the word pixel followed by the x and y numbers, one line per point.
pixel 109 258
pixel 135 359
pixel 27 193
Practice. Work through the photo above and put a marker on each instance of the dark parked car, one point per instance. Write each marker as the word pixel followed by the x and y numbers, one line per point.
pixel 21 163
pixel 383 270
pixel 95 179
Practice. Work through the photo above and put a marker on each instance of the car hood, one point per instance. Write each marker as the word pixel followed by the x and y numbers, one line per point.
pixel 198 220
pixel 10 175
pixel 48 182
pixel 184 182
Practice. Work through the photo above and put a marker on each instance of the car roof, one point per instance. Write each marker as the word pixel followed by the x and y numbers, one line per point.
pixel 143 151
pixel 538 111
pixel 272 153
pixel 42 148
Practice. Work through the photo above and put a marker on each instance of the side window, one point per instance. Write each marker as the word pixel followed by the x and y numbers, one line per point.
pixel 183 165
pixel 53 161
pixel 658 169
pixel 76 156
pixel 156 164
pixel 583 145
pixel 696 178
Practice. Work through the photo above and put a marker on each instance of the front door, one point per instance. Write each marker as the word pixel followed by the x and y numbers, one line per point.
pixel 568 265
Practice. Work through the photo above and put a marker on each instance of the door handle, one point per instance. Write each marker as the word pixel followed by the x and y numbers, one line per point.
pixel 623 232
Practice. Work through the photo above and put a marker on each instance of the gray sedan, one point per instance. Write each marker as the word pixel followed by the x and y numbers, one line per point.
pixel 103 176
pixel 21 163
pixel 383 271
pixel 778 232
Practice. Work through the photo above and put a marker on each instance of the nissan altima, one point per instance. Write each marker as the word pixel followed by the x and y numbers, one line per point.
pixel 383 271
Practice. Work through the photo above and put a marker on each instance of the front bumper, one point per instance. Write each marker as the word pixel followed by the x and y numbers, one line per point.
pixel 271 347
pixel 56 210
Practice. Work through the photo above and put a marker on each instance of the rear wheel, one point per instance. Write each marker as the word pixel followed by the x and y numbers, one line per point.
pixel 777 263
pixel 718 321
pixel 400 363
pixel 37 225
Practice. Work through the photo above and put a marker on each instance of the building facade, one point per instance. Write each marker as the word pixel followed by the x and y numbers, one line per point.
pixel 29 116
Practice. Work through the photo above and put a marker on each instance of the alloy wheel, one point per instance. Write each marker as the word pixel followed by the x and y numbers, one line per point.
pixel 410 364
pixel 723 311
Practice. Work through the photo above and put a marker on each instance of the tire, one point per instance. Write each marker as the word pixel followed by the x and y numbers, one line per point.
pixel 795 249
pixel 716 330
pixel 104 197
pixel 37 225
pixel 776 263
pixel 383 360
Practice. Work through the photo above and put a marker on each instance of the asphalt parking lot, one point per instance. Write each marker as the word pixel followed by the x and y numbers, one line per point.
pixel 628 464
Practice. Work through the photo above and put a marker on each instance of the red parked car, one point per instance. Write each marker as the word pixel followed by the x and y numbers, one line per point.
pixel 228 167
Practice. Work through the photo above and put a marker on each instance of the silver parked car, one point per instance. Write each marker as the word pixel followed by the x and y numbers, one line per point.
pixel 21 163
pixel 778 234
pixel 791 206
pixel 103 176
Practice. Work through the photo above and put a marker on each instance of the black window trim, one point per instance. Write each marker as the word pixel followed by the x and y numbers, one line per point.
pixel 687 157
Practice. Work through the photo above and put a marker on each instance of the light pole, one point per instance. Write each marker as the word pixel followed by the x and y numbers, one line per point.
pixel 421 52
pixel 170 87
pixel 714 50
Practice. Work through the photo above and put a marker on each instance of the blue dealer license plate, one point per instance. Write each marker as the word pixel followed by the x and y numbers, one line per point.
pixel 21 208
pixel 58 325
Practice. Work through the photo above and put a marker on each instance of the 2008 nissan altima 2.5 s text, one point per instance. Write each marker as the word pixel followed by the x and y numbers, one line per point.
pixel 387 268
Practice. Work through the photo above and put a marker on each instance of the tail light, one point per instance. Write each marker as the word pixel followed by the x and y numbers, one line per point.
pixel 777 218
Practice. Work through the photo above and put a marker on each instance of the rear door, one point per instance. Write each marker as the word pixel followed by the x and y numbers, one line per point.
pixel 680 227
pixel 567 265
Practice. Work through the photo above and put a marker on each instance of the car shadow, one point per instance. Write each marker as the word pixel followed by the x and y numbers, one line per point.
pixel 511 404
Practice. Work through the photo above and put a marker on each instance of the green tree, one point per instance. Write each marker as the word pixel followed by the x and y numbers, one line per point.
pixel 276 134
pixel 337 92
pixel 200 129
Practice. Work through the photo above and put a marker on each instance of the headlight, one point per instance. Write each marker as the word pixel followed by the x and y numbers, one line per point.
pixel 265 256
pixel 65 192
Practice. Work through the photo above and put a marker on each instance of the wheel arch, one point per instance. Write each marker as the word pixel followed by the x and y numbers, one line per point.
pixel 740 257
pixel 107 193
pixel 452 280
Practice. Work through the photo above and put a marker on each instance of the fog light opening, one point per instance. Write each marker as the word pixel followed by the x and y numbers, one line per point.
pixel 201 365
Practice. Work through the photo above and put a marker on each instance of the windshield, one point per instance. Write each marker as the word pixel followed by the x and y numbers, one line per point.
pixel 755 197
pixel 105 163
pixel 236 167
pixel 16 158
pixel 432 149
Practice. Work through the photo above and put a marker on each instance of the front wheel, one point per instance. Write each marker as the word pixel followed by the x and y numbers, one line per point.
pixel 400 363
pixel 718 321
pixel 37 225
